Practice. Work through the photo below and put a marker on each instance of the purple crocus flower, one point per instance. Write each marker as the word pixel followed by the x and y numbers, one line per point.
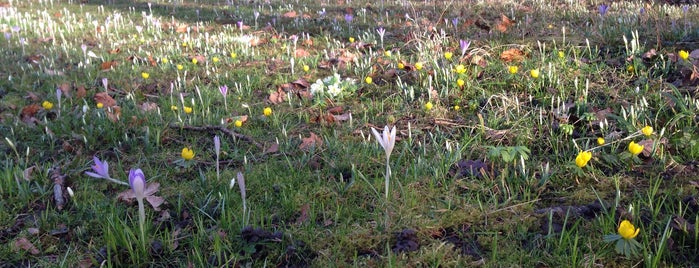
pixel 240 24
pixel 224 90
pixel 15 28
pixel 105 83
pixel 349 18
pixel 455 22
pixel 84 48
pixel 137 180
pixel 642 11
pixel 8 36
pixel 685 8
pixel 101 169
pixel 603 9
pixel 464 46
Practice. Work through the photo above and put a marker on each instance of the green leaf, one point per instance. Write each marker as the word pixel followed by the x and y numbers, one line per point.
pixel 611 238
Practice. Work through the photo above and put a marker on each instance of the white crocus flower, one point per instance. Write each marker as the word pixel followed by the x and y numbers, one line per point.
pixel 387 141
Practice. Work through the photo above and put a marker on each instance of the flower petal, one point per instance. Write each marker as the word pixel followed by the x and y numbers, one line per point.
pixel 378 137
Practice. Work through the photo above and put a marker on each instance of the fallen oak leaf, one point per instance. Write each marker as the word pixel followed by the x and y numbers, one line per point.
pixel 313 141
pixel 129 196
pixel 504 23
pixel 105 99
pixel 24 244
pixel 512 54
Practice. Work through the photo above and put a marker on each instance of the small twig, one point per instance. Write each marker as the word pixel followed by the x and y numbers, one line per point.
pixel 221 129
pixel 58 186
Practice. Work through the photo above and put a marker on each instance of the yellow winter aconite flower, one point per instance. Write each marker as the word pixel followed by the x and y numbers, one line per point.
pixel 683 54
pixel 418 66
pixel 387 53
pixel 561 54
pixel 164 60
pixel 647 130
pixel 194 61
pixel 187 154
pixel 351 39
pixel 238 123
pixel 173 107
pixel 368 80
pixel 180 67
pixel 145 75
pixel 233 55
pixel 215 59
pixel 582 158
pixel 600 141
pixel 630 68
pixel 401 65
pixel 635 148
pixel 534 73
pixel 188 110
pixel 47 105
pixel 456 108
pixel 513 69
pixel 267 111
pixel 460 82
pixel 100 105
pixel 428 106
pixel 306 68
pixel 627 230
pixel 459 69
pixel 447 55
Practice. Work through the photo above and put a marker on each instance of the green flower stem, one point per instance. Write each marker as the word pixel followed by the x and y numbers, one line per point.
pixel 142 222
pixel 388 176
pixel 635 134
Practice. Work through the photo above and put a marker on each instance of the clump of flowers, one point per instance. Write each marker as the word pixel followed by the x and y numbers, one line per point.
pixel 624 238
pixel 333 86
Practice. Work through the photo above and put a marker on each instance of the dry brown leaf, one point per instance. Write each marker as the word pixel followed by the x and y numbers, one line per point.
pixel 272 149
pixel 148 106
pixel 336 110
pixel 278 96
pixel 80 92
pixel 66 89
pixel 108 65
pixel 301 53
pixel 181 28
pixel 512 55
pixel 34 59
pixel 152 61
pixel 30 110
pixel 27 174
pixel 200 59
pixel 302 83
pixel 115 51
pixel 24 244
pixel 289 15
pixel 129 196
pixel 504 23
pixel 313 141
pixel 105 99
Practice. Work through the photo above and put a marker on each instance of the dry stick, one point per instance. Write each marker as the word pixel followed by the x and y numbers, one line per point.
pixel 58 187
pixel 222 129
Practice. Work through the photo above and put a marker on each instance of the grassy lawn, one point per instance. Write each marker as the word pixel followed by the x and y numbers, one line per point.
pixel 248 133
